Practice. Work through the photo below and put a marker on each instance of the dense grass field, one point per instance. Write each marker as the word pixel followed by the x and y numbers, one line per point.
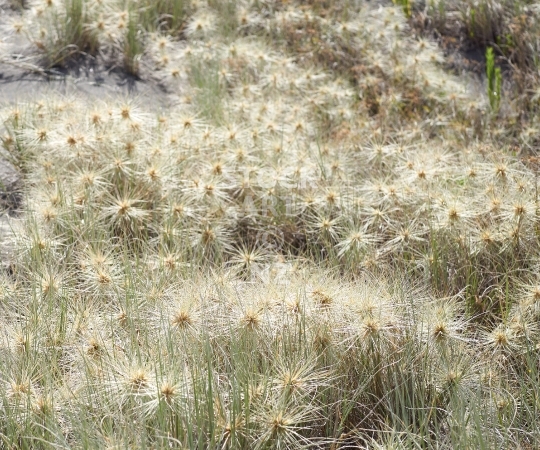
pixel 331 241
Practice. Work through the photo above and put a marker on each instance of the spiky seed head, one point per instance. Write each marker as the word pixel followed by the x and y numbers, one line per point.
pixel 19 389
pixel 42 135
pixel 279 423
pixel 122 318
pixel 371 327
pixel 168 391
pixel 49 214
pixel 251 320
pixel 519 210
pixel 49 285
pixel 153 174
pixel 170 262
pixel 94 347
pixel 453 214
pixel 181 319
pixel 125 112
pixel 440 331
pixel 495 205
pixel 291 380
pixel 453 377
pixel 208 236
pixel 123 207
pixel 331 197
pixel 322 298
pixel 129 147
pixel 103 278
pixel 500 339
pixel 294 306
pixel 487 237
pixel 138 380
pixel 42 405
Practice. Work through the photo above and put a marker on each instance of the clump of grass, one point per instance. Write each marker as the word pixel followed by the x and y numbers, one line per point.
pixel 64 34
pixel 165 15
pixel 133 46
pixel 494 79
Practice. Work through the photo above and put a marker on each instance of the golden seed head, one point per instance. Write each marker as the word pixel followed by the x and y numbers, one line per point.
pixel 440 331
pixel 93 348
pixel 123 207
pixel 88 179
pixel 279 423
pixel 501 171
pixel 42 405
pixel 167 391
pixel 452 377
pixel 19 389
pixel 103 278
pixel 42 135
pixel 519 210
pixel 487 237
pixel 322 298
pixel 170 262
pixel 371 327
pixel 49 215
pixel 181 319
pixel 500 338
pixel 122 318
pixel 153 173
pixel 251 319
pixel 208 236
pixel 130 147
pixel 453 214
pixel 139 379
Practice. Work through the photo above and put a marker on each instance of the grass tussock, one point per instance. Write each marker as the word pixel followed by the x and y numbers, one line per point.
pixel 330 242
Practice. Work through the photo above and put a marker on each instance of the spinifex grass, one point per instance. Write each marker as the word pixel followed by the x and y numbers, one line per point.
pixel 298 254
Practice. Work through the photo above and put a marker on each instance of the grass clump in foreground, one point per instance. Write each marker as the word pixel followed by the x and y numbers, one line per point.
pixel 332 256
